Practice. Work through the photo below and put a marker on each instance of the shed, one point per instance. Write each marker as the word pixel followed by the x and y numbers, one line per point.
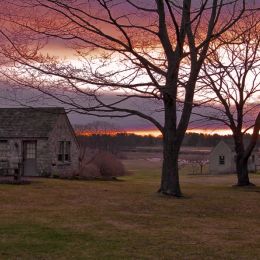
pixel 40 140
pixel 222 159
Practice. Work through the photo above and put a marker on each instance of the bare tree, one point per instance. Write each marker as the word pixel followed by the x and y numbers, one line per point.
pixel 151 51
pixel 233 73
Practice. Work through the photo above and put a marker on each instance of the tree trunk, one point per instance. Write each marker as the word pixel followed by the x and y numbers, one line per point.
pixel 242 172
pixel 170 175
pixel 242 157
pixel 201 168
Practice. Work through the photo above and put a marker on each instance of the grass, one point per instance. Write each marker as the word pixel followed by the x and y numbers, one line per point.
pixel 61 219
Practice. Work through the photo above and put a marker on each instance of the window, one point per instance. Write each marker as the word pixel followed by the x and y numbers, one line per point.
pixel 4 166
pixel 253 158
pixel 67 151
pixel 221 159
pixel 64 151
pixel 30 150
pixel 61 151
pixel 4 147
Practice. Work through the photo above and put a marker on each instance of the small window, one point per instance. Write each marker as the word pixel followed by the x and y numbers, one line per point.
pixel 222 159
pixel 4 166
pixel 64 154
pixel 3 144
pixel 67 151
pixel 61 151
pixel 30 150
pixel 253 158
pixel 4 147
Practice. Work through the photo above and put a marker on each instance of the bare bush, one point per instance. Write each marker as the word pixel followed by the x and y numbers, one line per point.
pixel 64 175
pixel 89 171
pixel 101 165
pixel 109 165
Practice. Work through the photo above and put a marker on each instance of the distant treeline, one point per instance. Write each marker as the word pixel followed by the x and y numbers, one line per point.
pixel 122 140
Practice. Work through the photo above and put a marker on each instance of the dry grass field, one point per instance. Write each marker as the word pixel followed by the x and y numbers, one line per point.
pixel 127 219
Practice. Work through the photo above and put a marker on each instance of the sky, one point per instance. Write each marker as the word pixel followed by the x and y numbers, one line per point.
pixel 15 97
pixel 130 124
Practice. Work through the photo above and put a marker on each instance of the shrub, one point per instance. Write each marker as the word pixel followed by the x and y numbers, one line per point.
pixel 55 175
pixel 101 165
pixel 66 175
pixel 45 174
pixel 108 165
pixel 89 171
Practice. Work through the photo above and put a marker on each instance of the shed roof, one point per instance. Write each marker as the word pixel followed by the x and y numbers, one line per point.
pixel 28 122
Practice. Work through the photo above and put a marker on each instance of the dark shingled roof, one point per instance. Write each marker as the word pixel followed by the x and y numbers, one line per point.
pixel 28 122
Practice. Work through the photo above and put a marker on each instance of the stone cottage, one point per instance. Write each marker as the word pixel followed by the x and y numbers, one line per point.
pixel 40 141
pixel 222 159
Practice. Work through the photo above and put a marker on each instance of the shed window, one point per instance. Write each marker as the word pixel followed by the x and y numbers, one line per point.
pixel 221 159
pixel 64 151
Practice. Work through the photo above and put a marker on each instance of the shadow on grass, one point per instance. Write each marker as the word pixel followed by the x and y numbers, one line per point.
pixel 15 182
pixel 249 188
pixel 167 196
pixel 110 179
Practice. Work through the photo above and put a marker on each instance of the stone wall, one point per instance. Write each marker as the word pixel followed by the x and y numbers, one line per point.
pixel 63 132
pixel 44 157
pixel 14 154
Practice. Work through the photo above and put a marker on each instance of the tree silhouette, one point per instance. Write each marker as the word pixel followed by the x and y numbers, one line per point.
pixel 151 51
pixel 233 74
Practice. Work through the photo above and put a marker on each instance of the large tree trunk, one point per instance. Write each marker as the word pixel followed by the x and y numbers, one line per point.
pixel 171 146
pixel 242 171
pixel 244 154
pixel 170 175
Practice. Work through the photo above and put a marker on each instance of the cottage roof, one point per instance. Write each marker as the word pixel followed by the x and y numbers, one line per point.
pixel 28 122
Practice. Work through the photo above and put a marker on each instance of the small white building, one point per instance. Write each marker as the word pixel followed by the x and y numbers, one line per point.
pixel 222 159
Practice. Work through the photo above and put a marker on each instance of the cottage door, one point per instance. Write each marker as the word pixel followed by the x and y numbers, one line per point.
pixel 29 158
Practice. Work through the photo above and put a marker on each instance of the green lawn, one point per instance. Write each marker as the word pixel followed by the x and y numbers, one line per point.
pixel 59 219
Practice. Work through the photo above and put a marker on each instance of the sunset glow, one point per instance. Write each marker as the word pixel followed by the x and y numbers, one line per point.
pixel 157 133
pixel 144 132
pixel 210 131
pixel 96 61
